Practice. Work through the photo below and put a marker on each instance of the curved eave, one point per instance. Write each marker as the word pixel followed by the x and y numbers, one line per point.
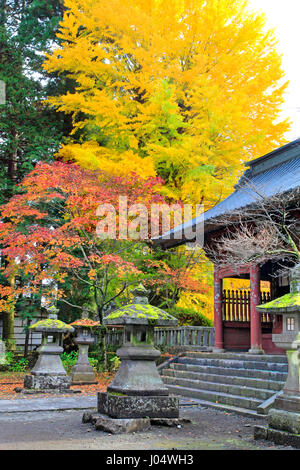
pixel 278 310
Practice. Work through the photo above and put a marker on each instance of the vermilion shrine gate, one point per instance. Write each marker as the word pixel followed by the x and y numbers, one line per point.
pixel 238 325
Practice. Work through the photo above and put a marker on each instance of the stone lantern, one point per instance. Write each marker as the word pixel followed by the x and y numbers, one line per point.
pixel 284 416
pixel 82 372
pixel 48 372
pixel 136 396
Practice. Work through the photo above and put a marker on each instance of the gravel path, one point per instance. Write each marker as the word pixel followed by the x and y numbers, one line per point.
pixel 63 430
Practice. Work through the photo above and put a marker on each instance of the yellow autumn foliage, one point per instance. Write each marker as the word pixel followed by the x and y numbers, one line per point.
pixel 188 89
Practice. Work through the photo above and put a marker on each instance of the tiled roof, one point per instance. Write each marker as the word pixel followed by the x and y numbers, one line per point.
pixel 274 173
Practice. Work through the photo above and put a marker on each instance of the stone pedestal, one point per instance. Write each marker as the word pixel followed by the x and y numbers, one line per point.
pixel 122 406
pixel 83 374
pixel 283 422
pixel 124 414
pixel 286 414
pixel 2 352
pixel 47 382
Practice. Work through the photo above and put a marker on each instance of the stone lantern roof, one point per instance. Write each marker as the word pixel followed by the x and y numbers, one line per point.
pixel 140 312
pixel 52 325
pixel 85 323
pixel 289 302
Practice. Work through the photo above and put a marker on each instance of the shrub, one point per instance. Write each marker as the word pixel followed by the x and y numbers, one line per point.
pixel 14 364
pixel 187 316
pixel 69 360
pixel 114 363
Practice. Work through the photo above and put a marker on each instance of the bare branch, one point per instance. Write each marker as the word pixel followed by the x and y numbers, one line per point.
pixel 267 229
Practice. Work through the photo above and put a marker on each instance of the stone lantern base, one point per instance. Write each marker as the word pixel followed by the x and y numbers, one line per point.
pixel 47 382
pixel 121 413
pixel 83 374
pixel 125 414
pixel 125 406
pixel 283 422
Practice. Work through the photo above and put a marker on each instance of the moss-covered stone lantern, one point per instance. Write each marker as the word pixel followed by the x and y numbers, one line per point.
pixel 48 372
pixel 82 372
pixel 137 374
pixel 137 393
pixel 285 414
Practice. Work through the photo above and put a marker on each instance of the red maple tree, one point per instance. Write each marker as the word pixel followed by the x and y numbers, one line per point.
pixel 48 231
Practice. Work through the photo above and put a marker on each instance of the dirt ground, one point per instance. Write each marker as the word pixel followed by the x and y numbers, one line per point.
pixel 63 430
pixel 10 380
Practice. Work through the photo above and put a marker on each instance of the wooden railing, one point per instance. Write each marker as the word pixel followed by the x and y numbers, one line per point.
pixel 264 298
pixel 185 336
pixel 236 305
pixel 195 337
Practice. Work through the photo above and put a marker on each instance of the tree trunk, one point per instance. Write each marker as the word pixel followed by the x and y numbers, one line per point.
pixel 9 325
pixel 8 330
pixel 26 345
pixel 13 158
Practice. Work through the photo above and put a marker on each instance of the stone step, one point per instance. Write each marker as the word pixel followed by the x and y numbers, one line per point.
pixel 274 358
pixel 215 397
pixel 231 372
pixel 272 385
pixel 220 388
pixel 233 381
pixel 228 408
pixel 235 363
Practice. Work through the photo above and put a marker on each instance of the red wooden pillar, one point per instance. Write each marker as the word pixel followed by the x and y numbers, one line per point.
pixel 255 318
pixel 218 322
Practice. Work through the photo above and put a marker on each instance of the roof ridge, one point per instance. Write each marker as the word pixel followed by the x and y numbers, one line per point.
pixel 272 159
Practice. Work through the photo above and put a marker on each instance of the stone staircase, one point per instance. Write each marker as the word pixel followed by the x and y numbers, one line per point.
pixel 237 382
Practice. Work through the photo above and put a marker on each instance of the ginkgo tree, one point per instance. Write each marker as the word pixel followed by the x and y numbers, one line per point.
pixel 185 89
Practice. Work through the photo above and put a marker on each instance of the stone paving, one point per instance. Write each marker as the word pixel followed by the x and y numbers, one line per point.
pixel 48 404
pixel 59 403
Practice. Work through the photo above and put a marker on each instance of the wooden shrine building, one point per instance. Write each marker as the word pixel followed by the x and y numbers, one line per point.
pixel 238 325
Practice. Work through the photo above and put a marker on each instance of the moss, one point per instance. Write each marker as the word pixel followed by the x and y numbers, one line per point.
pixel 140 311
pixel 287 300
pixel 51 323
